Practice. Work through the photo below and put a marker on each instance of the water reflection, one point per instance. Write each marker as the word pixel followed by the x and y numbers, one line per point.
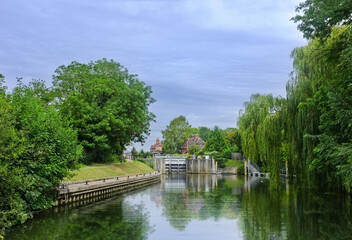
pixel 109 219
pixel 261 213
pixel 201 207
pixel 199 197
pixel 295 214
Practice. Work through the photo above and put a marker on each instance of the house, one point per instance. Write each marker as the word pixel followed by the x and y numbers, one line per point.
pixel 156 148
pixel 195 139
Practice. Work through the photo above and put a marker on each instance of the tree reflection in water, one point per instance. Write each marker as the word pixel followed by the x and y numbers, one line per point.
pixel 261 213
pixel 202 197
pixel 112 219
pixel 294 214
pixel 201 205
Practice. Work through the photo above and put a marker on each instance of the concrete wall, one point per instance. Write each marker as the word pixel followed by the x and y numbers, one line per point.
pixel 200 166
pixel 201 182
pixel 159 165
pixel 80 191
pixel 236 156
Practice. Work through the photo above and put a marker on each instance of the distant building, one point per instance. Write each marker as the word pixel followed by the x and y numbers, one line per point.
pixel 157 147
pixel 195 139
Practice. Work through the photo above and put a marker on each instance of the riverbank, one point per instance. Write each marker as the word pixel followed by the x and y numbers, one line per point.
pixel 96 180
pixel 99 171
pixel 95 189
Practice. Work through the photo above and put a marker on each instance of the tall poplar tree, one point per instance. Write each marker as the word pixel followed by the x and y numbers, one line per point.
pixel 176 134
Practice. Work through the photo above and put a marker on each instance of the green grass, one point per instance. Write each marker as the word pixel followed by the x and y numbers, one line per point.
pixel 236 164
pixel 230 162
pixel 96 171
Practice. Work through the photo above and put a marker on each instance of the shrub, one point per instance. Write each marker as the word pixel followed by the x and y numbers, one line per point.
pixel 240 168
pixel 141 160
pixel 221 162
pixel 227 152
pixel 151 164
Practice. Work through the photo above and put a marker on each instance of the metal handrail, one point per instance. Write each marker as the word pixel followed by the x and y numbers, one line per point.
pixel 255 165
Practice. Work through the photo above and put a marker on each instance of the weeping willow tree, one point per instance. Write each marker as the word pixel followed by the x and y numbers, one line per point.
pixel 302 115
pixel 319 111
pixel 312 127
pixel 261 129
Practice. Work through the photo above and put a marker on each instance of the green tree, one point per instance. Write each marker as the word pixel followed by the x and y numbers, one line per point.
pixel 233 138
pixel 319 99
pixel 2 87
pixel 311 129
pixel 50 150
pixel 134 152
pixel 176 134
pixel 216 141
pixel 319 103
pixel 37 150
pixel 108 106
pixel 114 219
pixel 194 131
pixel 317 18
pixel 204 133
pixel 13 208
pixel 261 129
pixel 193 148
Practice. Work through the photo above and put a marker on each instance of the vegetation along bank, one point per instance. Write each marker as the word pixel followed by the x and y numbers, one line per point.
pixel 90 114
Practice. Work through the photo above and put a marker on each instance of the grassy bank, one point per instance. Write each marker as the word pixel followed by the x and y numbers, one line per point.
pixel 232 164
pixel 96 170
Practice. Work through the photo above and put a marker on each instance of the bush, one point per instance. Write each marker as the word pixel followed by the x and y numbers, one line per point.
pixel 37 150
pixel 141 160
pixel 227 152
pixel 151 164
pixel 240 168
pixel 229 163
pixel 221 162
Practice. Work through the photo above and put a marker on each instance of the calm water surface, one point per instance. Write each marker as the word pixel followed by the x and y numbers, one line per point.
pixel 199 207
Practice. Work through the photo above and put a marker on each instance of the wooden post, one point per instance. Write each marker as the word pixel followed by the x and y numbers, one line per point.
pixel 245 168
pixel 286 165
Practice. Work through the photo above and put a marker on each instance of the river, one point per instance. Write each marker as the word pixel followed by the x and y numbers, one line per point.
pixel 199 207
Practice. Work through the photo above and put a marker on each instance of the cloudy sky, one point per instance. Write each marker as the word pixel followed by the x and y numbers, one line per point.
pixel 202 58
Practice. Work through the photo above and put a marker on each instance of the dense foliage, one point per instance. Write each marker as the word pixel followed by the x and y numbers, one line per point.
pixel 311 129
pixel 317 18
pixel 261 133
pixel 90 114
pixel 37 149
pixel 204 133
pixel 219 143
pixel 176 134
pixel 105 104
pixel 216 141
pixel 112 219
pixel 233 139
pixel 319 105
